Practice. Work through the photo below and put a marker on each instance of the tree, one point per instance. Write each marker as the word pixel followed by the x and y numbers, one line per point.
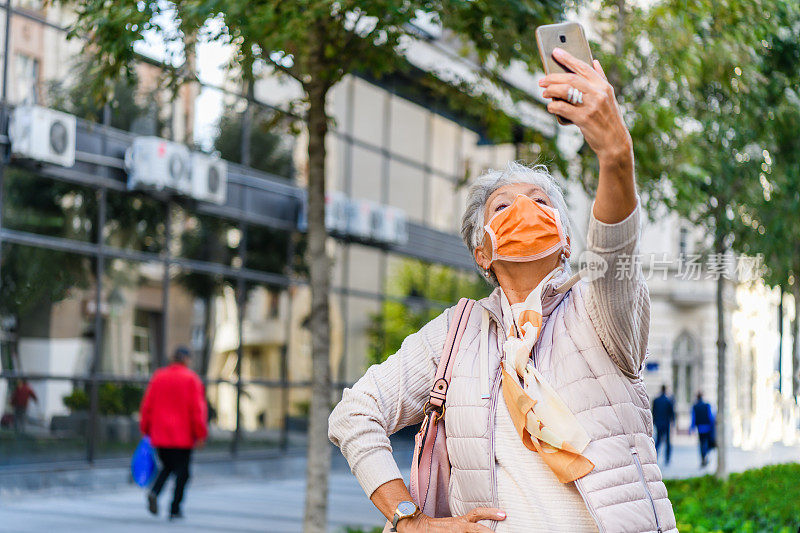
pixel 316 42
pixel 34 279
pixel 770 225
pixel 686 81
pixel 266 132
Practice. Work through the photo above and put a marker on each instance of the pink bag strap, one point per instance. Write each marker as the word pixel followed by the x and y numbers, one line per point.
pixel 458 323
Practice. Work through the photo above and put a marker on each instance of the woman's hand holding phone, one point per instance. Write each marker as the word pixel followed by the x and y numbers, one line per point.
pixel 598 116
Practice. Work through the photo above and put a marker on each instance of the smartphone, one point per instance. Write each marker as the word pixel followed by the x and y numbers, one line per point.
pixel 568 36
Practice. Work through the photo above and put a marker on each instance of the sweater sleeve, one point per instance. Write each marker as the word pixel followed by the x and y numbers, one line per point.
pixel 618 302
pixel 389 397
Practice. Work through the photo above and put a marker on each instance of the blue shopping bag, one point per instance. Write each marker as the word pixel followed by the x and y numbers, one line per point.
pixel 143 462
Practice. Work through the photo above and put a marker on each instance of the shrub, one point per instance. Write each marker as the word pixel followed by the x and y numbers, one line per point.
pixel 112 399
pixel 760 500
pixel 131 397
pixel 109 399
pixel 764 499
pixel 77 401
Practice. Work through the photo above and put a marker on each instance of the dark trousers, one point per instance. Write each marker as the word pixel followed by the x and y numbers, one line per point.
pixel 662 435
pixel 173 461
pixel 705 445
pixel 19 419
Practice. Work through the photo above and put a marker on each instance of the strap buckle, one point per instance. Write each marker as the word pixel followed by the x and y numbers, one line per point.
pixel 438 412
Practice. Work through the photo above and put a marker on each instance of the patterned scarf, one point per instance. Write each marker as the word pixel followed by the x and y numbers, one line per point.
pixel 544 422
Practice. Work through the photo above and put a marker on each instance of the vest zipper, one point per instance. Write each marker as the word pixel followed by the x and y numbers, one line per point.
pixel 495 392
pixel 492 460
pixel 579 486
pixel 635 454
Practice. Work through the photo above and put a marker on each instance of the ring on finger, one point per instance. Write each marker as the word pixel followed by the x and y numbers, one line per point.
pixel 574 96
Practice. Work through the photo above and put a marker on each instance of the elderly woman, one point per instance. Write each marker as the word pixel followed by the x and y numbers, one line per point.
pixel 560 436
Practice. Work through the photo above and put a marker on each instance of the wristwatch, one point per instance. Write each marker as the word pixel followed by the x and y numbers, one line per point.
pixel 404 510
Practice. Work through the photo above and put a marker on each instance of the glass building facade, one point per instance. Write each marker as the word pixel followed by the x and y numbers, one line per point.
pixel 98 284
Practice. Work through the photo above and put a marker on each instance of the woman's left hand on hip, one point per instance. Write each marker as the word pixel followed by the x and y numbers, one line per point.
pixel 598 116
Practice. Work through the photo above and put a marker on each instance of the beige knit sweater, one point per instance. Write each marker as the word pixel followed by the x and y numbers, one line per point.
pixel 391 395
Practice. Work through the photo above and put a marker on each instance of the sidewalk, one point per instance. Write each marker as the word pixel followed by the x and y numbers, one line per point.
pixel 685 461
pixel 271 502
pixel 226 506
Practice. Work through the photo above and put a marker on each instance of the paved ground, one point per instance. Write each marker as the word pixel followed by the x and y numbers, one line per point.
pixel 268 503
pixel 230 506
pixel 685 461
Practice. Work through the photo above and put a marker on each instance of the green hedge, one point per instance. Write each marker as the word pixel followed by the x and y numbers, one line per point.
pixel 765 499
pixel 762 500
pixel 112 399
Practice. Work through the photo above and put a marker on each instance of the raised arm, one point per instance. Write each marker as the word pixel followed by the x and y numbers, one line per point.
pixel 601 123
pixel 618 302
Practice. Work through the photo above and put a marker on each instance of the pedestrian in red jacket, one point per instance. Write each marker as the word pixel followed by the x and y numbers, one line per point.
pixel 20 398
pixel 173 415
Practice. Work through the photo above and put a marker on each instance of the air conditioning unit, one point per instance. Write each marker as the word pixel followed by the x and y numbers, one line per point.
pixel 43 134
pixel 361 218
pixel 209 178
pixel 156 164
pixel 391 225
pixel 337 206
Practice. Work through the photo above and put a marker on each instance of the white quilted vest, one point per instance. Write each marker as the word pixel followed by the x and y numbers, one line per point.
pixel 624 493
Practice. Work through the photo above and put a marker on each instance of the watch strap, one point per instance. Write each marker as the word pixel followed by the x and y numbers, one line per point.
pixel 397 516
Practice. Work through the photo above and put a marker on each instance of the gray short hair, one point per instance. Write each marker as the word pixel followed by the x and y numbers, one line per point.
pixel 472 221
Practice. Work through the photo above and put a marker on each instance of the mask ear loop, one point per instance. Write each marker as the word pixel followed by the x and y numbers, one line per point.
pixel 493 238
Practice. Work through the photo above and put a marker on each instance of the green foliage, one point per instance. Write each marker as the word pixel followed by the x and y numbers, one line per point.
pixel 769 225
pixel 77 401
pixel 34 278
pixel 710 92
pixel 425 290
pixel 271 154
pixel 349 529
pixel 131 396
pixel 126 108
pixel 688 78
pixel 112 399
pixel 757 500
pixel 317 42
pixel 302 408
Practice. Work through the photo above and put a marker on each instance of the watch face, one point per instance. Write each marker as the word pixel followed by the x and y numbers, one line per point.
pixel 406 508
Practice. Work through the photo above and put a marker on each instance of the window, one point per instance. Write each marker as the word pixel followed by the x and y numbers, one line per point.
pixel 274 303
pixel 142 341
pixel 26 76
pixel 686 366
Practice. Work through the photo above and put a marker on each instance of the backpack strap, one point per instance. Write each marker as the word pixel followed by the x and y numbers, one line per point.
pixel 458 323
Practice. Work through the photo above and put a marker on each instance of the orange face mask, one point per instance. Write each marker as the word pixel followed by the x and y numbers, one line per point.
pixel 525 231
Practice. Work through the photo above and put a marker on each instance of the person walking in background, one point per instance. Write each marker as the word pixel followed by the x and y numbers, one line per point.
pixel 174 416
pixel 703 420
pixel 20 398
pixel 663 418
